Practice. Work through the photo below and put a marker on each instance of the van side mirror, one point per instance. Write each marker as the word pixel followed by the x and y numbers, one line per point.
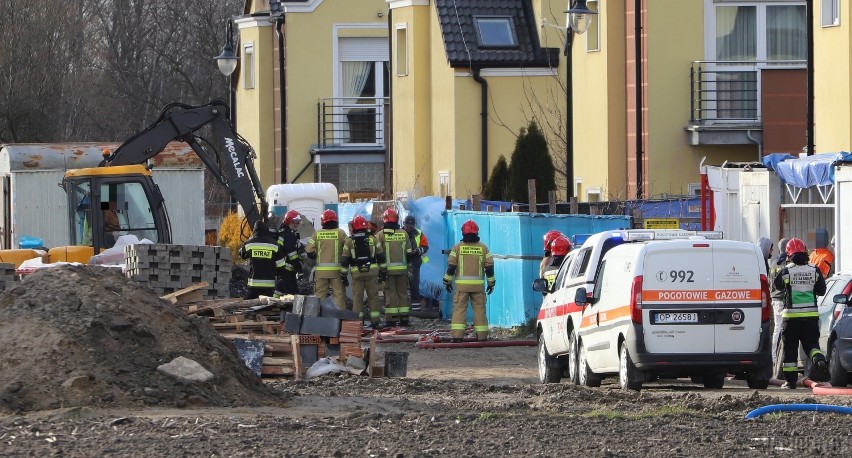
pixel 580 297
pixel 540 285
pixel 840 299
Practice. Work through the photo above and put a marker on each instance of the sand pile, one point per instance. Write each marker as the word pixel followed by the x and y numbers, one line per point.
pixel 87 336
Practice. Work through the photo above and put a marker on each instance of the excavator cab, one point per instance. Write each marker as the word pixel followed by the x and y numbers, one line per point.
pixel 106 203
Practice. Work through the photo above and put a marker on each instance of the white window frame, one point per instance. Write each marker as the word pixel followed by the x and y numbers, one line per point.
pixel 248 65
pixel 694 189
pixel 830 13
pixel 593 35
pixel 444 185
pixel 594 192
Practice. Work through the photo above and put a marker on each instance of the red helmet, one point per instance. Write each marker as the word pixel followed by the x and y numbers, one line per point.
pixel 359 223
pixel 390 216
pixel 292 216
pixel 560 246
pixel 328 215
pixel 795 245
pixel 549 237
pixel 470 227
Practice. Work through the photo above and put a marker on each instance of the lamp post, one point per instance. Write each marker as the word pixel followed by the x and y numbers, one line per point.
pixel 227 62
pixel 577 20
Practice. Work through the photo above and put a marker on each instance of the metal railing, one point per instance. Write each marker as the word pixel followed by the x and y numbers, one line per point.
pixel 352 121
pixel 729 91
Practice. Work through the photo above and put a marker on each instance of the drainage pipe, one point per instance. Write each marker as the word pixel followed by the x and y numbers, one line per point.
pixel 478 344
pixel 798 408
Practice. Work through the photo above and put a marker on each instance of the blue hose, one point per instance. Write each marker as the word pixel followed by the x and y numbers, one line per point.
pixel 798 408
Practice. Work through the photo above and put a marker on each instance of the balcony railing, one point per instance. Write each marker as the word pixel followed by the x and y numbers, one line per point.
pixel 728 92
pixel 352 121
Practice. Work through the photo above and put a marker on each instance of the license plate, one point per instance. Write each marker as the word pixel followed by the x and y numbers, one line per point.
pixel 670 317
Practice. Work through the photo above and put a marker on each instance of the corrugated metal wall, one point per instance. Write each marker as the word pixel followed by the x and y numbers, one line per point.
pixel 184 193
pixel 801 221
pixel 39 207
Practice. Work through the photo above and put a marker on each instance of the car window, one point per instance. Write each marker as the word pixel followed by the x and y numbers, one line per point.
pixel 563 269
pixel 582 262
pixel 600 280
pixel 833 287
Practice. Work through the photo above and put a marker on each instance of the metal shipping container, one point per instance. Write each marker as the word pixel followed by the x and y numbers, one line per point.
pixel 33 204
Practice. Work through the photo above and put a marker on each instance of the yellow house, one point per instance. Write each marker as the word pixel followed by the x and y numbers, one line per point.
pixel 324 118
pixel 833 86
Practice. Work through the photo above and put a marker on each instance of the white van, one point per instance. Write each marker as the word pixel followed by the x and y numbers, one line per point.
pixel 675 308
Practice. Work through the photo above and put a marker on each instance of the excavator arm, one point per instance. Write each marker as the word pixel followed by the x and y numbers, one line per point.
pixel 228 157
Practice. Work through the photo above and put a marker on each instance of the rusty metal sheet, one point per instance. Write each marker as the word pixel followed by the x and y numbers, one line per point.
pixel 16 157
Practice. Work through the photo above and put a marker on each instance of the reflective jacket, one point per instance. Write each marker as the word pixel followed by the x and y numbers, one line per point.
pixel 472 265
pixel 327 244
pixel 397 248
pixel 288 240
pixel 265 256
pixel 802 283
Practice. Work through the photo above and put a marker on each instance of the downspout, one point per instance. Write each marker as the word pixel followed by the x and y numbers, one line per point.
pixel 810 116
pixel 757 142
pixel 637 16
pixel 484 127
pixel 389 117
pixel 282 91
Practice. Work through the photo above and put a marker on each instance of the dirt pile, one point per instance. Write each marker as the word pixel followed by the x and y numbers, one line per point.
pixel 87 336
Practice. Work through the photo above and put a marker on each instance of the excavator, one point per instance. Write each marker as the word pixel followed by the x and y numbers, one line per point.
pixel 119 197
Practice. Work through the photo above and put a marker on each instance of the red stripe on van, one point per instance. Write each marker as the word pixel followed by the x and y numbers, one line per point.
pixel 559 310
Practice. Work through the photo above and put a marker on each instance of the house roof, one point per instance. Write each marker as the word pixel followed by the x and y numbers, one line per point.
pixel 461 42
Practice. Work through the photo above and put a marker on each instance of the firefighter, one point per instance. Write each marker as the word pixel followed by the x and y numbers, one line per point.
pixel 264 255
pixel 419 247
pixel 362 256
pixel 394 273
pixel 559 249
pixel 326 247
pixel 549 237
pixel 777 295
pixel 288 240
pixel 802 283
pixel 469 261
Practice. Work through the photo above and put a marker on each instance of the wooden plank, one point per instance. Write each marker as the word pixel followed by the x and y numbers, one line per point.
pixel 297 357
pixel 273 361
pixel 186 295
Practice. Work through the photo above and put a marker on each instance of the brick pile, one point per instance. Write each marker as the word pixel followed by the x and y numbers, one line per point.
pixel 7 275
pixel 169 268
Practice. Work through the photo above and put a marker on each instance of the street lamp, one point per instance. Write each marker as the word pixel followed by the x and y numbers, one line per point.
pixel 227 62
pixel 577 20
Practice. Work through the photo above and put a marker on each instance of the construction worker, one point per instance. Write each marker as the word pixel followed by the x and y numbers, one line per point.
pixel 777 295
pixel 361 256
pixel 469 261
pixel 802 283
pixel 559 249
pixel 419 247
pixel 549 237
pixel 394 273
pixel 326 247
pixel 264 255
pixel 822 257
pixel 288 240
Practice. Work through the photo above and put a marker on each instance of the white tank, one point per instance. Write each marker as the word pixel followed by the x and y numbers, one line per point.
pixel 309 199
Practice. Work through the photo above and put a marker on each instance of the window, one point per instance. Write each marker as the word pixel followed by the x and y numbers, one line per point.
pixel 593 35
pixel 694 189
pixel 830 13
pixel 444 184
pixel 248 65
pixel 593 195
pixel 493 31
pixel 401 50
pixel 581 264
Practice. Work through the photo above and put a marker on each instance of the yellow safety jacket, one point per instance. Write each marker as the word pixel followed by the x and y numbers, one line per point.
pixel 328 246
pixel 397 247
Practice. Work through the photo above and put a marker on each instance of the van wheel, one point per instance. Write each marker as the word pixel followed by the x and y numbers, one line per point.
pixel 587 377
pixel 714 380
pixel 549 369
pixel 573 372
pixel 839 376
pixel 757 382
pixel 628 375
pixel 696 379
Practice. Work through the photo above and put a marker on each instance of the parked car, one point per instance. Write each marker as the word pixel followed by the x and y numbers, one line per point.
pixel 829 311
pixel 840 342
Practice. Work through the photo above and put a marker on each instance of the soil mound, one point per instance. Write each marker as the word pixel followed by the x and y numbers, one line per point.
pixel 87 336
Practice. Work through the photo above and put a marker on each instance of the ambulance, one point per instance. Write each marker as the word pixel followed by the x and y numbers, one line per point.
pixel 660 304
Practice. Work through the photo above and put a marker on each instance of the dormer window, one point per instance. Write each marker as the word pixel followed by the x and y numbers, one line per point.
pixel 495 32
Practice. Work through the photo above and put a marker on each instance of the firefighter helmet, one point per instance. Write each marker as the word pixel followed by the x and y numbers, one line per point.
pixel 390 216
pixel 795 245
pixel 470 227
pixel 291 217
pixel 549 237
pixel 359 223
pixel 560 246
pixel 327 216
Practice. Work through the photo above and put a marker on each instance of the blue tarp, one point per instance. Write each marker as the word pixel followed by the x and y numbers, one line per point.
pixel 804 172
pixel 673 208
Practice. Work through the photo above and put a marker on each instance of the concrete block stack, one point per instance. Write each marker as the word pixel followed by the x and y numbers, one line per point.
pixel 7 275
pixel 168 268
